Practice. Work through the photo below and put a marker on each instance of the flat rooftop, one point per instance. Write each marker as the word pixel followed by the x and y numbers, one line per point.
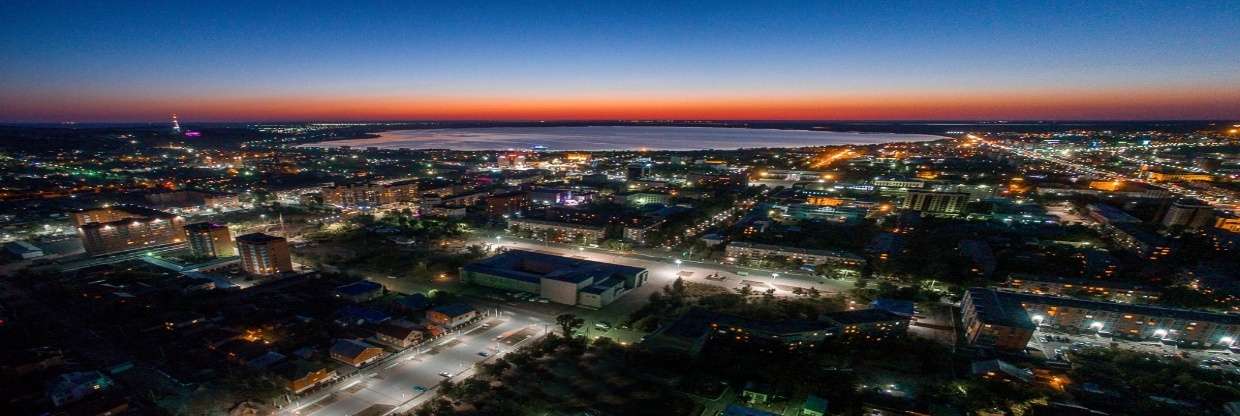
pixel 1182 314
pixel 258 238
pixel 533 266
pixel 992 308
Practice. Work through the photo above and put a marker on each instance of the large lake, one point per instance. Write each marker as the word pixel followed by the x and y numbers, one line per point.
pixel 615 138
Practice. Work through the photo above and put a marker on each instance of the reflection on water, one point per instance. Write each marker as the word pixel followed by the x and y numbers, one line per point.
pixel 615 138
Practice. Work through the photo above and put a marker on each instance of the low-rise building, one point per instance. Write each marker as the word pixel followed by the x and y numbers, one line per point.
pixel 507 203
pixel 299 375
pixel 1111 290
pixel 360 291
pixel 639 232
pixel 355 353
pixel 933 202
pixel 71 387
pixel 1189 327
pixel 1188 213
pixel 837 214
pixel 559 231
pixel 898 183
pixel 814 406
pixel 23 250
pixel 563 280
pixel 451 316
pixel 868 325
pixel 738 249
pixel 1134 238
pixel 694 329
pixel 638 199
pixel 1000 370
pixel 398 336
pixel 369 195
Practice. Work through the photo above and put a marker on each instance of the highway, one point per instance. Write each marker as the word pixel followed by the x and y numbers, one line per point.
pixel 392 384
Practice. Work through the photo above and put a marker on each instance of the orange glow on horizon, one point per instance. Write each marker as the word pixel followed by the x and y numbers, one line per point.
pixel 1164 103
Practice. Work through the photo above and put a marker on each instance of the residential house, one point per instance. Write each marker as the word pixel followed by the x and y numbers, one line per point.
pixel 355 353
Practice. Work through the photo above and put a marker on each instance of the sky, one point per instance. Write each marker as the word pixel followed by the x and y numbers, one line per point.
pixel 125 61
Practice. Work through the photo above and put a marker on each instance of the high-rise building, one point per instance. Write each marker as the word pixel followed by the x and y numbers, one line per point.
pixel 210 240
pixel 935 202
pixel 121 228
pixel 263 254
pixel 1189 213
pixel 994 322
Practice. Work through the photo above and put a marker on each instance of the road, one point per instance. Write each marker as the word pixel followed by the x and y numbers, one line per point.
pixel 1064 340
pixel 1220 198
pixel 389 385
pixel 664 269
pixel 117 258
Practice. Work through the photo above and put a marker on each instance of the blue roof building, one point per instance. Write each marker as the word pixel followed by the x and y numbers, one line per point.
pixel 565 280
pixel 357 315
pixel 360 291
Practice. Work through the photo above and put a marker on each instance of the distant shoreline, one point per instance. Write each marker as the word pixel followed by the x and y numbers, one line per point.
pixel 614 138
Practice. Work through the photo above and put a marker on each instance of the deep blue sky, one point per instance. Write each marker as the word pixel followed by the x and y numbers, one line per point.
pixel 131 60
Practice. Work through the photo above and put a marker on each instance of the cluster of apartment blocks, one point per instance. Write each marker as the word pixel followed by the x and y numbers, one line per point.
pixel 582 233
pixel 370 194
pixel 695 329
pixel 120 228
pixel 739 249
pixel 125 228
pixel 1006 320
pixel 1110 290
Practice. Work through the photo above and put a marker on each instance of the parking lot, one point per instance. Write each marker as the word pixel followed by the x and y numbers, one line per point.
pixel 1056 346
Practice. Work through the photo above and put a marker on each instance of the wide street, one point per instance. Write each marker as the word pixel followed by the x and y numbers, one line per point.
pixel 411 377
pixel 663 271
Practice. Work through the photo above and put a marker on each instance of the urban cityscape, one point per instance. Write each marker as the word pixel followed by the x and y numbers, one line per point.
pixel 331 242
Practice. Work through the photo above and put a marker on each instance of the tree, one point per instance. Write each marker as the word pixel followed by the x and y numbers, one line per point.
pixel 569 323
pixel 678 287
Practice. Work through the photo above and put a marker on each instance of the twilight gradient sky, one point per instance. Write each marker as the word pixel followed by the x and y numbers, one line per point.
pixel 301 60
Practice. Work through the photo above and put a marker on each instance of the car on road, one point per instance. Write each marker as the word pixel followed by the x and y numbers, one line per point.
pixel 444 374
pixel 420 389
pixel 484 354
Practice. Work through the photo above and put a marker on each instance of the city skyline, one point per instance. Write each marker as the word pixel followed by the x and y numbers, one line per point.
pixel 124 62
